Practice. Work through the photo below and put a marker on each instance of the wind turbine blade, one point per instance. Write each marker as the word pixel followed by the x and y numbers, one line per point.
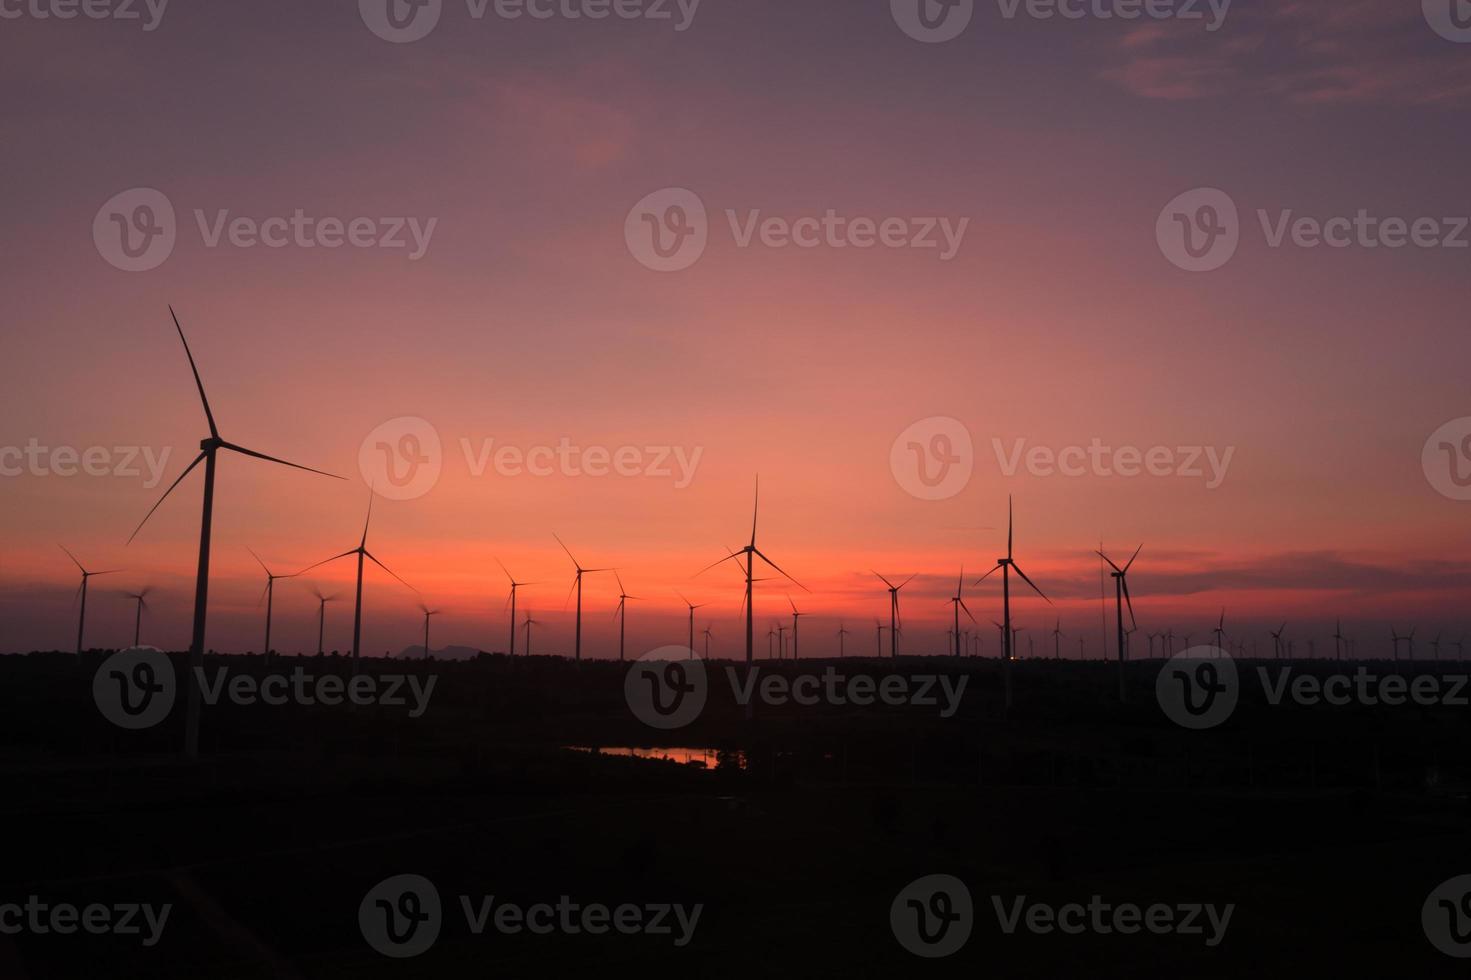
pixel 733 554
pixel 272 459
pixel 755 509
pixel 1107 559
pixel 258 561
pixel 616 576
pixel 967 611
pixel 198 383
pixel 73 558
pixel 1008 525
pixel 1136 555
pixel 326 560
pixel 187 469
pixel 1129 602
pixel 505 569
pixel 908 580
pixel 391 572
pixel 1030 582
pixel 884 580
pixel 987 575
pixel 570 589
pixel 109 571
pixel 568 550
pixel 779 569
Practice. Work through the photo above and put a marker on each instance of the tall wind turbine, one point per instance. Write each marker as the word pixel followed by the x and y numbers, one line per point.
pixel 577 585
pixel 427 614
pixel 879 642
pixel 1220 630
pixel 269 595
pixel 1277 640
pixel 781 641
pixel 622 612
pixel 796 615
pixel 896 624
pixel 1338 639
pixel 512 601
pixel 751 553
pixel 957 603
pixel 842 633
pixel 322 601
pixel 140 597
pixel 1121 596
pixel 208 452
pixel 707 641
pixel 362 552
pixel 693 607
pixel 1058 634
pixel 527 626
pixel 82 593
pixel 1006 565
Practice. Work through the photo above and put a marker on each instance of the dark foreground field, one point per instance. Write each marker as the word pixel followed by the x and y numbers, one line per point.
pixel 1326 827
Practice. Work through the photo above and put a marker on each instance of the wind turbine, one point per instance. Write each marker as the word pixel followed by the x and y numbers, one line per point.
pixel 693 607
pixel 270 596
pixel 322 601
pixel 707 641
pixel 577 584
pixel 879 641
pixel 141 597
pixel 781 641
pixel 1277 640
pixel 362 552
pixel 770 642
pixel 622 611
pixel 208 452
pixel 82 592
pixel 1058 634
pixel 1121 596
pixel 957 603
pixel 527 626
pixel 796 615
pixel 1220 629
pixel 1006 565
pixel 751 553
pixel 896 623
pixel 512 601
pixel 427 613
pixel 1435 647
pixel 842 633
pixel 1338 639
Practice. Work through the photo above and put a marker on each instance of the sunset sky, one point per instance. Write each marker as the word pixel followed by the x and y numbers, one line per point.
pixel 528 320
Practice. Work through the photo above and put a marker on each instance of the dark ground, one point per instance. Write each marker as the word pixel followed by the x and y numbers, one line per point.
pixel 1327 827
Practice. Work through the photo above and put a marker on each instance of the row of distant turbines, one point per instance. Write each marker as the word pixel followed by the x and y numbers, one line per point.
pixel 745 559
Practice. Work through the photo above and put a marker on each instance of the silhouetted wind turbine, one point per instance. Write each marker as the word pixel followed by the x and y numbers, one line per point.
pixel 577 585
pixel 751 553
pixel 879 640
pixel 1220 630
pixel 527 626
pixel 269 595
pixel 895 621
pixel 141 597
pixel 1121 596
pixel 1007 635
pixel 707 641
pixel 957 603
pixel 209 450
pixel 362 552
pixel 427 614
pixel 781 641
pixel 796 615
pixel 622 612
pixel 511 601
pixel 1338 639
pixel 82 592
pixel 842 633
pixel 1058 634
pixel 692 607
pixel 322 601
pixel 1435 647
pixel 1277 640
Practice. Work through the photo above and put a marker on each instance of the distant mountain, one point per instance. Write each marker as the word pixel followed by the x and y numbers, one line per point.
pixel 416 652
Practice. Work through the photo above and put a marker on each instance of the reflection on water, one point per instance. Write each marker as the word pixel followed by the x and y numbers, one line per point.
pixel 702 758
